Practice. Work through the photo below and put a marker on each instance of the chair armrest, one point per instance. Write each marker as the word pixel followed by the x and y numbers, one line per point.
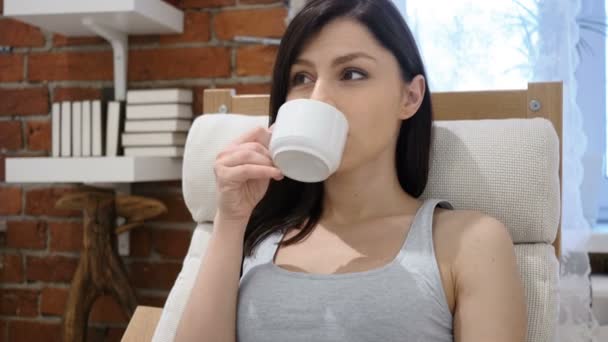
pixel 142 324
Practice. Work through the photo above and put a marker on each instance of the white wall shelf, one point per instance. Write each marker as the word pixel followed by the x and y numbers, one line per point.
pixel 103 170
pixel 113 20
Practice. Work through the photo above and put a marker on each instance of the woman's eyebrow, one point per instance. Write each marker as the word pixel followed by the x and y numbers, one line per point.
pixel 339 60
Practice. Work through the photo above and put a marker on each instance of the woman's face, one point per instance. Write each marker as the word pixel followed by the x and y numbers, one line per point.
pixel 345 66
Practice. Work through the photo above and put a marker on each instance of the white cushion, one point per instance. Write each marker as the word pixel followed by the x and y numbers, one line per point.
pixel 207 137
pixel 509 169
pixel 506 168
pixel 539 270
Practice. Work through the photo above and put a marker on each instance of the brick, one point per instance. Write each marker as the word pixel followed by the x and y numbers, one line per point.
pixel 18 34
pixel 42 202
pixel 157 275
pixel 61 40
pixel 140 243
pixel 197 28
pixel 255 60
pixel 255 22
pixel 10 201
pixel 19 302
pixel 53 301
pixel 11 68
pixel 176 63
pixel 106 310
pixel 251 89
pixel 3 323
pixel 160 185
pixel 171 243
pixel 30 101
pixel 174 3
pixel 51 268
pixel 197 101
pixel 11 268
pixel 39 135
pixel 198 4
pixel 70 66
pixel 176 208
pixel 65 236
pixel 10 135
pixel 76 94
pixel 26 234
pixel 28 331
pixel 144 39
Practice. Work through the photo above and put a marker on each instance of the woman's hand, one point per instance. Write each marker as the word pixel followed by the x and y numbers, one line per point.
pixel 243 171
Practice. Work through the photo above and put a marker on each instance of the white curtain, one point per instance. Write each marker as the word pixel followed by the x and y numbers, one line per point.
pixel 503 44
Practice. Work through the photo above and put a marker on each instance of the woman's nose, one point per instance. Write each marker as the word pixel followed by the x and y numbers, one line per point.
pixel 322 92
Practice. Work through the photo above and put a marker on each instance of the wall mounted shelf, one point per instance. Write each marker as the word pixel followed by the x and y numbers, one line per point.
pixel 101 170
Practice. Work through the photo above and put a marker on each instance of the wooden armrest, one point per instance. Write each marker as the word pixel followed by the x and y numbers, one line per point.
pixel 142 325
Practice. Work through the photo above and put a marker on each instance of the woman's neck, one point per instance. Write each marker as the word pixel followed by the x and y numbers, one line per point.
pixel 368 192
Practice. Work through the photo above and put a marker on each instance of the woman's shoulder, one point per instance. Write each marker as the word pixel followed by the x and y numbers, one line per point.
pixel 462 235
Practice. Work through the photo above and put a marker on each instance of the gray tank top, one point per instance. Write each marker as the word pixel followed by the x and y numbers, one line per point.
pixel 401 301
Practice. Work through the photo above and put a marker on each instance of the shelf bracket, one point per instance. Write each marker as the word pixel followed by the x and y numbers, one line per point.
pixel 120 45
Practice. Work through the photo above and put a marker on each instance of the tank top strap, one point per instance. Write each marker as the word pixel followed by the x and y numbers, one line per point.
pixel 420 236
pixel 263 253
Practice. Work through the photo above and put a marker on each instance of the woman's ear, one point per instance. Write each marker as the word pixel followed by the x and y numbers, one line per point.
pixel 412 98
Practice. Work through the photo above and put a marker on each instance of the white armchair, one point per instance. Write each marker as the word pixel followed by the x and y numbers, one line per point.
pixel 491 152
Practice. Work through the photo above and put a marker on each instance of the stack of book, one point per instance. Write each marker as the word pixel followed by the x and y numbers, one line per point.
pixel 157 122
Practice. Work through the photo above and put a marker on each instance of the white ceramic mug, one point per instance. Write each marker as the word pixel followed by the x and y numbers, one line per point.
pixel 308 140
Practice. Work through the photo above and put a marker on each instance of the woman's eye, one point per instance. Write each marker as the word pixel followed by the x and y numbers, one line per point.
pixel 353 75
pixel 300 79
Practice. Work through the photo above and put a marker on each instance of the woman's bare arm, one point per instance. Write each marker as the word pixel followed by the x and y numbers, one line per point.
pixel 490 300
pixel 210 314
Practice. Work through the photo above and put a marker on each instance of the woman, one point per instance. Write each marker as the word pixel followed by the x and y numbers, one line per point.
pixel 358 257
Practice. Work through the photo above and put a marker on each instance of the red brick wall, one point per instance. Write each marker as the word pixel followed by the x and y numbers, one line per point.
pixel 39 245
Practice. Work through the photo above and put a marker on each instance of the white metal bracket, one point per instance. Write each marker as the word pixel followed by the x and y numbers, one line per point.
pixel 120 46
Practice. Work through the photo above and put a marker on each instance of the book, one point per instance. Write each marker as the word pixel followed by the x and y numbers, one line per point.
pixel 149 126
pixel 56 129
pixel 77 129
pixel 154 139
pixel 113 128
pixel 148 96
pixel 97 128
pixel 66 129
pixel 86 128
pixel 159 111
pixel 166 151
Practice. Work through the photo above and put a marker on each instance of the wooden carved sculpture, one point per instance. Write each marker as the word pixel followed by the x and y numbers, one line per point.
pixel 100 270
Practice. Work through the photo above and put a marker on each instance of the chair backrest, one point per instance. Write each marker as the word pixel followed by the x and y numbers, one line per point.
pixel 539 100
pixel 494 151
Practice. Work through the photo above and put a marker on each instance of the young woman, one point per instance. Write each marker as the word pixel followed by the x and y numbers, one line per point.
pixel 357 257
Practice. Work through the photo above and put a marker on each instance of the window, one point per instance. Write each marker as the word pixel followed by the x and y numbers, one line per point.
pixel 592 94
pixel 477 44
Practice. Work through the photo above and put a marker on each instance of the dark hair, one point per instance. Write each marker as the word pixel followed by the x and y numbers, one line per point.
pixel 292 204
